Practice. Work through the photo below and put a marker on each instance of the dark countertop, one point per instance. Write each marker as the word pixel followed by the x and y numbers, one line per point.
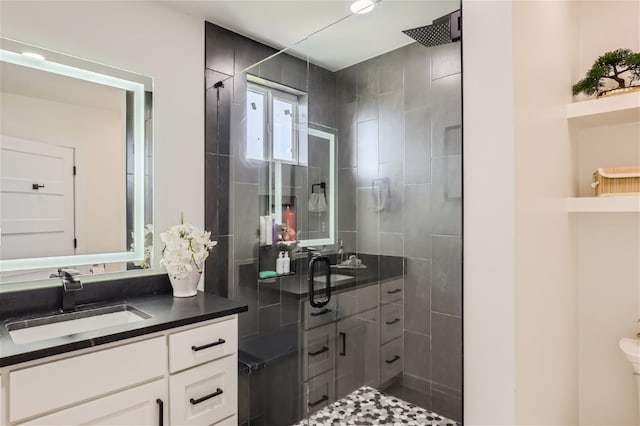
pixel 165 310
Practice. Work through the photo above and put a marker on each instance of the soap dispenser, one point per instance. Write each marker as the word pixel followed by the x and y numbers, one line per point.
pixel 280 264
pixel 286 263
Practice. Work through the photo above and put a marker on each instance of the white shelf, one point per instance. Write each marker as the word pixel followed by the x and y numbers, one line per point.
pixel 617 204
pixel 608 110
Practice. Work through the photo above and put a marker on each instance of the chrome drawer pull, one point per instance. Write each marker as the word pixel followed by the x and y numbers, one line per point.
pixel 204 398
pixel 393 321
pixel 392 360
pixel 320 401
pixel 397 290
pixel 209 345
pixel 322 312
pixel 318 352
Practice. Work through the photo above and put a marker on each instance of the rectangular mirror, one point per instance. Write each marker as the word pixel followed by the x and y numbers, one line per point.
pixel 76 165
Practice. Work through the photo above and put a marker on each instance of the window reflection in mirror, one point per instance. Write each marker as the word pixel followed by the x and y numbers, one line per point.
pixel 76 154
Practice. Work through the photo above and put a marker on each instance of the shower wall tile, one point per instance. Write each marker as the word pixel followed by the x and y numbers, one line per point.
pixel 446 195
pixel 446 404
pixel 347 199
pixel 367 107
pixel 217 109
pixel 322 92
pixel 346 88
pixel 416 355
pixel 447 116
pixel 217 268
pixel 446 277
pixel 293 72
pixel 218 45
pixel 248 52
pixel 417 148
pixel 367 152
pixel 445 60
pixel 391 71
pixel 417 76
pixel 211 201
pixel 417 221
pixel 392 217
pixel 367 222
pixel 268 319
pixel 268 292
pixel 417 296
pixel 347 135
pixel 246 291
pixel 391 127
pixel 245 222
pixel 391 244
pixel 368 77
pixel 446 351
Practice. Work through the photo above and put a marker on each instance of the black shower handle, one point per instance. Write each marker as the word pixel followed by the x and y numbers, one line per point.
pixel 312 295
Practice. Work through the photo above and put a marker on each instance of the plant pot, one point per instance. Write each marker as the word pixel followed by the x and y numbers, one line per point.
pixel 186 286
pixel 619 91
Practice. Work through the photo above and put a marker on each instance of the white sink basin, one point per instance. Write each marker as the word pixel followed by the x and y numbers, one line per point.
pixel 335 278
pixel 67 324
pixel 631 349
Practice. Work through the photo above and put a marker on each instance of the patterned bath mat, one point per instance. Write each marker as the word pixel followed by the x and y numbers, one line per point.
pixel 368 407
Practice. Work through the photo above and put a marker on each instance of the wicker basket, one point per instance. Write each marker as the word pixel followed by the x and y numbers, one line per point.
pixel 616 181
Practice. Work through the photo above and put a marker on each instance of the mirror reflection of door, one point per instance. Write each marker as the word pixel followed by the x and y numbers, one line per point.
pixel 37 199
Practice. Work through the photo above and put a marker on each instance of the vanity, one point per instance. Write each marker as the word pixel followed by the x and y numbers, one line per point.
pixel 178 365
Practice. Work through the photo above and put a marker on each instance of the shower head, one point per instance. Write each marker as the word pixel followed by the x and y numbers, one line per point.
pixel 443 30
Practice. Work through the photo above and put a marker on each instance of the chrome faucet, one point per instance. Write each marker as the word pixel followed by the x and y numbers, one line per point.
pixel 70 284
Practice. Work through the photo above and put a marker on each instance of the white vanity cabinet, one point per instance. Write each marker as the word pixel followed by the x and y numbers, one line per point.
pixel 185 375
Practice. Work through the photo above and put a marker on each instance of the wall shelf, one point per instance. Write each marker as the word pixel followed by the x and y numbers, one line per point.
pixel 619 204
pixel 610 110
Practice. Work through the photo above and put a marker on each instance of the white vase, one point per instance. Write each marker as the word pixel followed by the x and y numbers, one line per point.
pixel 187 286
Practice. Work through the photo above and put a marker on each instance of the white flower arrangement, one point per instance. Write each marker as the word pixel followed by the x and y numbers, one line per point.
pixel 186 248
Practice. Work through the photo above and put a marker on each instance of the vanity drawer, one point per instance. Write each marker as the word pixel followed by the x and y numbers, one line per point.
pixel 45 387
pixel 319 350
pixel 321 392
pixel 199 345
pixel 391 291
pixel 315 317
pixel 205 394
pixel 391 359
pixel 391 322
pixel 229 421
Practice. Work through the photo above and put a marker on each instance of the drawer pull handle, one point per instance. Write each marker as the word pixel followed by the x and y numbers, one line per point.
pixel 320 401
pixel 209 345
pixel 204 398
pixel 322 312
pixel 160 412
pixel 320 351
pixel 393 321
pixel 392 360
pixel 397 290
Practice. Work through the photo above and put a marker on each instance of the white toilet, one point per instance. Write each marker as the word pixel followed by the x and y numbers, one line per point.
pixel 631 349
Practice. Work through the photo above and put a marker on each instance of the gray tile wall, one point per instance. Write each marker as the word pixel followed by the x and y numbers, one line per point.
pixel 399 117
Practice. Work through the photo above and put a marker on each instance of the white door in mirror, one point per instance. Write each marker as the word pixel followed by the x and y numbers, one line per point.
pixel 37 195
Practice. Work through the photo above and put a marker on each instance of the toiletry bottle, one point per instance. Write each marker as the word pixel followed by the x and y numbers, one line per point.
pixel 280 264
pixel 289 218
pixel 274 230
pixel 286 263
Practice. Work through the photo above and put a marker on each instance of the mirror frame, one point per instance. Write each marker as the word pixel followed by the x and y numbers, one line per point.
pixel 138 90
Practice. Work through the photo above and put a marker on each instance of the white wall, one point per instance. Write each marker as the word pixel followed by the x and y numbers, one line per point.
pixel 488 173
pixel 149 39
pixel 544 42
pixel 97 136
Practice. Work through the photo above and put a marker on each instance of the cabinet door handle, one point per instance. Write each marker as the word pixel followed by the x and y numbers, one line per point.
pixel 204 398
pixel 343 352
pixel 393 321
pixel 397 290
pixel 37 186
pixel 208 345
pixel 392 360
pixel 320 351
pixel 160 412
pixel 322 312
pixel 320 401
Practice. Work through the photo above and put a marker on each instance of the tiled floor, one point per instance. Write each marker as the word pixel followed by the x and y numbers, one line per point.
pixel 367 406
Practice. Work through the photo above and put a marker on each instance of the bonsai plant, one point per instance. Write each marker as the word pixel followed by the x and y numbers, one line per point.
pixel 616 66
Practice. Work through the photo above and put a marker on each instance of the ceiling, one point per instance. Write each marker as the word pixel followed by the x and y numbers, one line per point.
pixel 324 31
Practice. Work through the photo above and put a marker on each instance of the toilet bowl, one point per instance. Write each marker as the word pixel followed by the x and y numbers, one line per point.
pixel 631 350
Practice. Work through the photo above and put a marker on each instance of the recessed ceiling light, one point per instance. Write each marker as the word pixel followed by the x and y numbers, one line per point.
pixel 33 55
pixel 362 6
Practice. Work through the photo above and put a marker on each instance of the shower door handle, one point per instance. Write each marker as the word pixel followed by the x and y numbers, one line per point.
pixel 312 295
